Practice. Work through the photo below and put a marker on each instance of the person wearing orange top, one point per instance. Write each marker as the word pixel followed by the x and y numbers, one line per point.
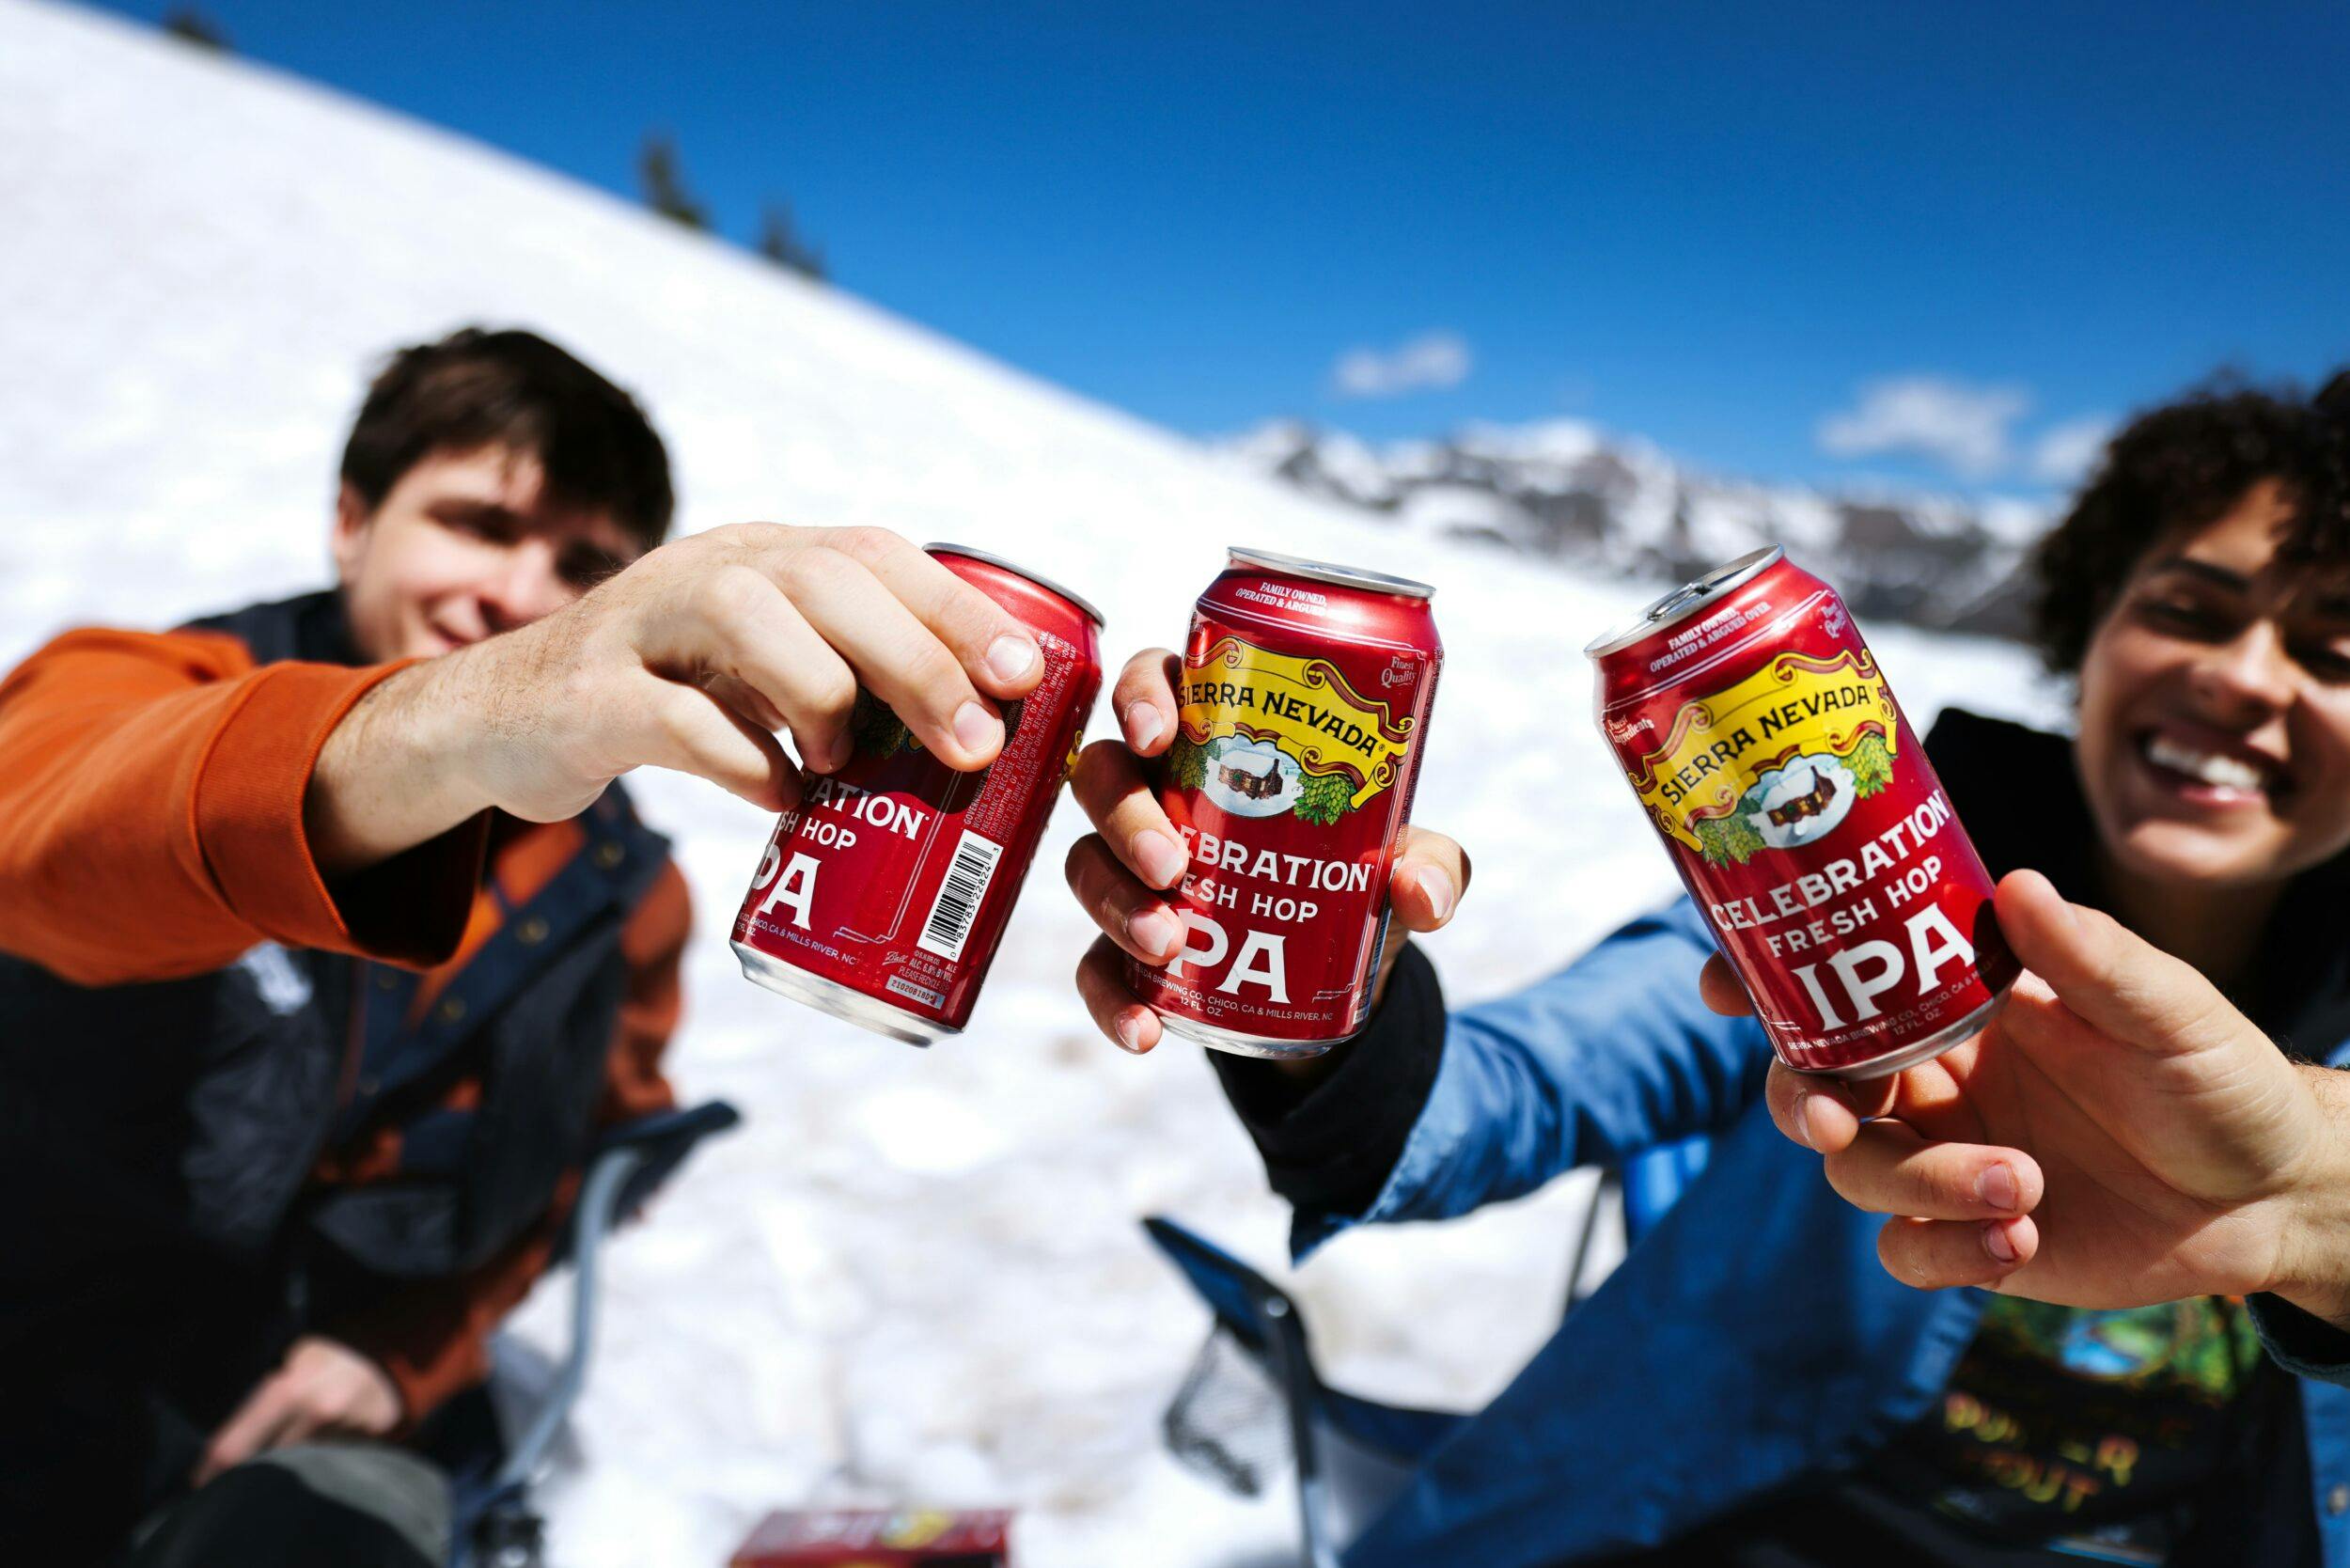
pixel 327 941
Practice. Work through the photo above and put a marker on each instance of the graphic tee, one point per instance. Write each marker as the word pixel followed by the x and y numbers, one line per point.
pixel 2088 1434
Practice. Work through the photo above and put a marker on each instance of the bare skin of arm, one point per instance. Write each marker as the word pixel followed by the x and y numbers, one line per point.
pixel 693 658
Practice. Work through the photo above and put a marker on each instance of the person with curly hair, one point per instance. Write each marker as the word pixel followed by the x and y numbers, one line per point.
pixel 2223 1158
pixel 1753 1387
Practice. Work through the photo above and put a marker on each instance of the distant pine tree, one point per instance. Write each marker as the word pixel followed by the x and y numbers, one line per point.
pixel 664 184
pixel 781 242
pixel 190 25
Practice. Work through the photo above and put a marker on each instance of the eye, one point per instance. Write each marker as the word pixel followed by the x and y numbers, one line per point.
pixel 583 566
pixel 2185 616
pixel 2328 661
pixel 483 523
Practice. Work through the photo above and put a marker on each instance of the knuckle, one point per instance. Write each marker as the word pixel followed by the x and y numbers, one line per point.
pixel 1151 661
pixel 733 597
pixel 937 675
pixel 1894 1255
pixel 866 543
pixel 1102 772
pixel 1089 763
pixel 1954 1188
pixel 813 571
pixel 832 695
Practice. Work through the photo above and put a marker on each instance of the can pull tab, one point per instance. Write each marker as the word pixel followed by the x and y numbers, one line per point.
pixel 1678 602
pixel 1679 599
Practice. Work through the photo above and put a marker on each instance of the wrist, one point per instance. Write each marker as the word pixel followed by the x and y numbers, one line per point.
pixel 400 770
pixel 2314 1271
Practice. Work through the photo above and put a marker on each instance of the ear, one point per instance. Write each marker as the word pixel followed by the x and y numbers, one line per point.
pixel 349 538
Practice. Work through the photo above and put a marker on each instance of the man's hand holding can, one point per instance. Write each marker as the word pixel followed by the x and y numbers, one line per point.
pixel 694 658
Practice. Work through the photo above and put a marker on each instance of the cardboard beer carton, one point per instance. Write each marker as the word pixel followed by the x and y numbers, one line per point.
pixel 853 1538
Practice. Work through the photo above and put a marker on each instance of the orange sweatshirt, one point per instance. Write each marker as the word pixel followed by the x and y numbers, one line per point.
pixel 152 786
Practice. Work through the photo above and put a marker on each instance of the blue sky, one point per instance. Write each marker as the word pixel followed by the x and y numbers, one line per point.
pixel 1927 242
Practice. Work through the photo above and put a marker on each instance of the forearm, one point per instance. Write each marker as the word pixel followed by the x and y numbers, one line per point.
pixel 400 770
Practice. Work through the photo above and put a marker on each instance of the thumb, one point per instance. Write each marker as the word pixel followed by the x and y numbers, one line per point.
pixel 2113 979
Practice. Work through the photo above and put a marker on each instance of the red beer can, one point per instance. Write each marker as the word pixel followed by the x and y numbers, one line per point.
pixel 883 893
pixel 870 1538
pixel 1304 704
pixel 1804 818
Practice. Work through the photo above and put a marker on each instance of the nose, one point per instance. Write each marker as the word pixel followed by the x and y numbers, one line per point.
pixel 525 586
pixel 2243 681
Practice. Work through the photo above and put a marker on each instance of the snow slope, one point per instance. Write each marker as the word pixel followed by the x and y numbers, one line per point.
pixel 913 1276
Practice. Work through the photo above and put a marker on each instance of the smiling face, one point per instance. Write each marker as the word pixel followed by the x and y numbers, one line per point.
pixel 465 545
pixel 2214 708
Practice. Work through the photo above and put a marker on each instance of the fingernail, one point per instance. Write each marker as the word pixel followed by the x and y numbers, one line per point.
pixel 1996 1187
pixel 1996 1241
pixel 1009 658
pixel 1161 858
pixel 976 728
pixel 1802 1118
pixel 1129 1028
pixel 1142 724
pixel 1436 889
pixel 1155 930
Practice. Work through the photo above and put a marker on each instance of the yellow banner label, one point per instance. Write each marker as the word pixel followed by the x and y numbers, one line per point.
pixel 1303 710
pixel 1747 767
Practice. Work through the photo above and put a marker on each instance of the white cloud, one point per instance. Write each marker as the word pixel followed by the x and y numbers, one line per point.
pixel 2065 454
pixel 1965 428
pixel 1431 361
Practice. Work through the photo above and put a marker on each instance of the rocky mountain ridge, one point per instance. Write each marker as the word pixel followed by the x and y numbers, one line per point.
pixel 1568 492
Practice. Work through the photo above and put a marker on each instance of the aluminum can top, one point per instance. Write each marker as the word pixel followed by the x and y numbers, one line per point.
pixel 1687 600
pixel 939 547
pixel 1326 572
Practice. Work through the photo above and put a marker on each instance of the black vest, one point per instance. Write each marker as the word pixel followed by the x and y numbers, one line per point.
pixel 156 1139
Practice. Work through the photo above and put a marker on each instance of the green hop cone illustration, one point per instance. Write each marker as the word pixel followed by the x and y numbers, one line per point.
pixel 1871 762
pixel 1324 798
pixel 1724 839
pixel 1187 763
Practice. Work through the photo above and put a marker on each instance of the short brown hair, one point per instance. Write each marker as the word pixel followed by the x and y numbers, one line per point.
pixel 2179 467
pixel 476 388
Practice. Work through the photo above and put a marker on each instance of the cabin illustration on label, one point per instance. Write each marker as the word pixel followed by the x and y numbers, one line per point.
pixel 1251 774
pixel 1800 801
pixel 1250 778
pixel 1810 804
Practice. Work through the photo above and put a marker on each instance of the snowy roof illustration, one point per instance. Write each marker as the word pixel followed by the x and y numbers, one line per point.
pixel 1789 784
pixel 1252 760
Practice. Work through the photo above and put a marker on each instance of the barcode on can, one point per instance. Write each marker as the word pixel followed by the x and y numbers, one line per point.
pixel 958 906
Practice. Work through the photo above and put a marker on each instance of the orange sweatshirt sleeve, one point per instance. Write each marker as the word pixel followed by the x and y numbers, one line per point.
pixel 152 793
pixel 434 1340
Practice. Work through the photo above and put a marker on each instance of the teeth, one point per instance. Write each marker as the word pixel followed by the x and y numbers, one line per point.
pixel 2226 772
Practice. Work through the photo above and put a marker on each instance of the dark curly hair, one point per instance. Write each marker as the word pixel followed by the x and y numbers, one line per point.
pixel 2180 468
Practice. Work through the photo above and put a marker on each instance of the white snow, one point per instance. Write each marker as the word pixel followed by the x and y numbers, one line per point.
pixel 913 1276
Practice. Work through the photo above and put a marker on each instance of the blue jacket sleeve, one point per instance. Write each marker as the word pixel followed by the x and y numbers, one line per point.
pixel 1613 1054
